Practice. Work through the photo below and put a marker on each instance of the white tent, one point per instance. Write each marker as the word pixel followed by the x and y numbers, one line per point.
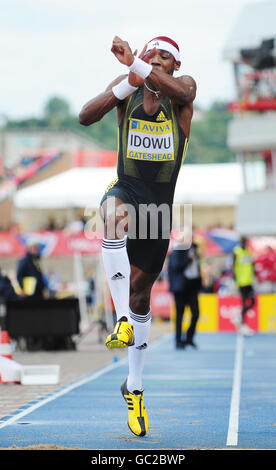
pixel 208 184
pixel 77 187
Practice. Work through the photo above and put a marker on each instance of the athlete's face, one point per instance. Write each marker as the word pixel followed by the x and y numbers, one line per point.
pixel 164 61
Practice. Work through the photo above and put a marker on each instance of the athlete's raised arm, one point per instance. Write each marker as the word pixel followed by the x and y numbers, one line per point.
pixel 97 107
pixel 120 88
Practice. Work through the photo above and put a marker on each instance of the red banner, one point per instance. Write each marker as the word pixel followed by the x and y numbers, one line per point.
pixel 52 243
pixel 161 300
pixel 10 246
pixel 226 313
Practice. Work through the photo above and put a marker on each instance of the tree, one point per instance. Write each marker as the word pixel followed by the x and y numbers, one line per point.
pixel 207 143
pixel 56 110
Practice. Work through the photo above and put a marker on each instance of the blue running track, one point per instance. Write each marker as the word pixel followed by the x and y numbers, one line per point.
pixel 220 396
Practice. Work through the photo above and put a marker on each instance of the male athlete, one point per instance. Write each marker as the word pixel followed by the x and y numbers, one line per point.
pixel 154 112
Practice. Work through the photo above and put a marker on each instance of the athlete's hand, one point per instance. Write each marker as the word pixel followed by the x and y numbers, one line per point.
pixel 146 56
pixel 122 51
pixel 133 78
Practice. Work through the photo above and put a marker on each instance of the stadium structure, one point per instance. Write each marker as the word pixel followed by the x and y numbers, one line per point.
pixel 251 48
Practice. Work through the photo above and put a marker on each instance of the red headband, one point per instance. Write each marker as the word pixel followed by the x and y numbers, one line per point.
pixel 166 39
pixel 165 43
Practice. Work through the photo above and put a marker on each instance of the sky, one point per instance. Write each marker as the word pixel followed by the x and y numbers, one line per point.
pixel 62 47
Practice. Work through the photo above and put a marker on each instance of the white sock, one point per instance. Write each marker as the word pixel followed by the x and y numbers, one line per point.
pixel 117 269
pixel 136 353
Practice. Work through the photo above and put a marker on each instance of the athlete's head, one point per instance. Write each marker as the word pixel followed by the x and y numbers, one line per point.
pixel 167 56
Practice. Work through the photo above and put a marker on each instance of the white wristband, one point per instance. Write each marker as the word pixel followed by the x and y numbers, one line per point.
pixel 123 89
pixel 140 67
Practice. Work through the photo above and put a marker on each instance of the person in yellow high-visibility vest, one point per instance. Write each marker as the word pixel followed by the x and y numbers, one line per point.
pixel 243 272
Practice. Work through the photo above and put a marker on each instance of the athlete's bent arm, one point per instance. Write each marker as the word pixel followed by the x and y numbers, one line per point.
pixel 95 109
pixel 181 89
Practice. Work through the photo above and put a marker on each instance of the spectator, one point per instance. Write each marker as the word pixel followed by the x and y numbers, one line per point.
pixel 265 268
pixel 208 277
pixel 52 282
pixel 77 225
pixel 29 274
pixel 225 283
pixel 32 282
pixel 185 283
pixel 90 298
pixel 7 291
pixel 51 225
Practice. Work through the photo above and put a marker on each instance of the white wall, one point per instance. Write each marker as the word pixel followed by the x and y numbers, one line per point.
pixel 256 213
pixel 252 132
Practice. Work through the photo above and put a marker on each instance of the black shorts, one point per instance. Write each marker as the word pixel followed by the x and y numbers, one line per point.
pixel 147 254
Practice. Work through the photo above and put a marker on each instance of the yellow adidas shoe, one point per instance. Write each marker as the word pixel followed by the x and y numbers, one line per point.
pixel 138 421
pixel 122 335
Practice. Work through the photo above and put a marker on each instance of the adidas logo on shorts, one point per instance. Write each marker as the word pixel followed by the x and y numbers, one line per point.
pixel 117 276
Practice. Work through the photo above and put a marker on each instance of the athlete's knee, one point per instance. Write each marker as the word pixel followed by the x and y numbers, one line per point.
pixel 116 219
pixel 115 227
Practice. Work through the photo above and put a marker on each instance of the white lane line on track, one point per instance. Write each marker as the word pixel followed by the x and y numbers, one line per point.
pixel 233 427
pixel 72 386
pixel 61 392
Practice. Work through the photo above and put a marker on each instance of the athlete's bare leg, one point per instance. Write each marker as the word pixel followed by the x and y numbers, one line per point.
pixel 140 289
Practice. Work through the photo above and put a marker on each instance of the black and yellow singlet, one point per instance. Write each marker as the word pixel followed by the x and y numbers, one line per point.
pixel 151 150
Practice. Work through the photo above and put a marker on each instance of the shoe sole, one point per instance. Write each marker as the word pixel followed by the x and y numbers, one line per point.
pixel 116 344
pixel 143 433
pixel 113 342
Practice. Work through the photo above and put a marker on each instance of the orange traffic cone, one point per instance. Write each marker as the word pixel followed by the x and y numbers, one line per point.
pixel 5 345
pixel 9 369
